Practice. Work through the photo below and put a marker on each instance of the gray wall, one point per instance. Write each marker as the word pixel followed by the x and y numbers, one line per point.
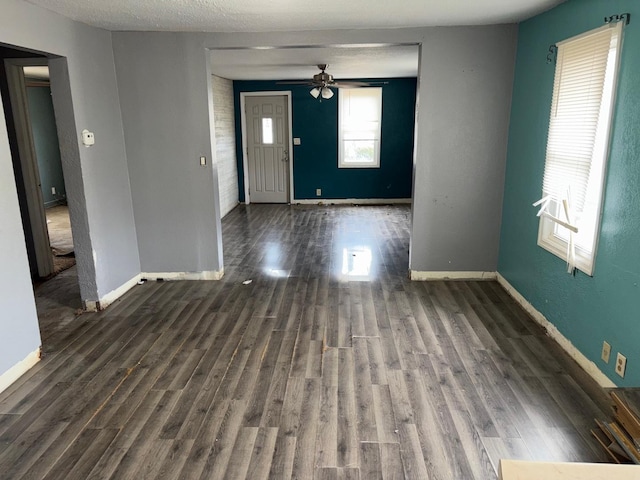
pixel 96 178
pixel 465 85
pixel 165 96
pixel 19 334
pixel 85 96
pixel 45 139
pixel 463 112
pixel 225 141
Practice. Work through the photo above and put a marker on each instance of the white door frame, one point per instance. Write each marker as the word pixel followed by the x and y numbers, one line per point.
pixel 28 161
pixel 243 122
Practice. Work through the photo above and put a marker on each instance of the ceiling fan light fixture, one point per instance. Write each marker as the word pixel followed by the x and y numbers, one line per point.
pixel 327 93
pixel 315 92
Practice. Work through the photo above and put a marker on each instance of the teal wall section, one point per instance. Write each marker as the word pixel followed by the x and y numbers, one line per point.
pixel 315 122
pixel 586 310
pixel 45 139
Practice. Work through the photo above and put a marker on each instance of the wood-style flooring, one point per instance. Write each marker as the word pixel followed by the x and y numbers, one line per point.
pixel 329 364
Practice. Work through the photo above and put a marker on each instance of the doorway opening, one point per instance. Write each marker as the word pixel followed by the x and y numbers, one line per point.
pixel 30 117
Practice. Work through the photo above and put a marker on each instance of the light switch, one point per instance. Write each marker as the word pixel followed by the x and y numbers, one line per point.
pixel 203 161
pixel 88 138
pixel 296 141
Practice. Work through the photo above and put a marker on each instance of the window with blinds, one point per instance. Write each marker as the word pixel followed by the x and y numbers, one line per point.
pixel 360 121
pixel 577 145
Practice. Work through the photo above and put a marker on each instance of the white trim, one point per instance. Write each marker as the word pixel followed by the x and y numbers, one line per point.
pixel 112 296
pixel 30 177
pixel 243 128
pixel 206 275
pixel 92 305
pixel 19 369
pixel 350 201
pixel 376 141
pixel 425 276
pixel 109 298
pixel 552 331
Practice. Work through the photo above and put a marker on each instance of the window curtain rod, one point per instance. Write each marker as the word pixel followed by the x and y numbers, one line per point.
pixel 622 17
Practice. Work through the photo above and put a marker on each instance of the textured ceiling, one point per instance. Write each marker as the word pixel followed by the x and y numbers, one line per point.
pixel 290 15
pixel 300 63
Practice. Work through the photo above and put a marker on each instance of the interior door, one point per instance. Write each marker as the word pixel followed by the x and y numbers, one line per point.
pixel 29 164
pixel 267 148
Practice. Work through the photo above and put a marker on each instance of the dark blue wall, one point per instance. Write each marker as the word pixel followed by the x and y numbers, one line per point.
pixel 315 164
pixel 45 139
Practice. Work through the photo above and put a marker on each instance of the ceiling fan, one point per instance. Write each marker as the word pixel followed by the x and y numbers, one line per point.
pixel 323 82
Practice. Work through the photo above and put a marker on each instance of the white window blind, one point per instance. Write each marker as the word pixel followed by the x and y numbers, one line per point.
pixel 577 145
pixel 360 120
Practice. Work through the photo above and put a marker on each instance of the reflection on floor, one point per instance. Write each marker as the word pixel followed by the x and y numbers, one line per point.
pixel 329 364
pixel 60 237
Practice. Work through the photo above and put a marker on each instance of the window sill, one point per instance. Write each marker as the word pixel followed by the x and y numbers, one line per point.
pixel 559 247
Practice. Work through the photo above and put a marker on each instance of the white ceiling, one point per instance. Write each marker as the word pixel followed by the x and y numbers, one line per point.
pixel 290 15
pixel 298 15
pixel 300 63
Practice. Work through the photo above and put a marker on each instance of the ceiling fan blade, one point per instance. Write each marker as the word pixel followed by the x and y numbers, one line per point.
pixel 295 82
pixel 349 84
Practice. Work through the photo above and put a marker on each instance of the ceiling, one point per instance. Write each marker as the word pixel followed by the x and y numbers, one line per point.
pixel 290 15
pixel 301 63
pixel 298 15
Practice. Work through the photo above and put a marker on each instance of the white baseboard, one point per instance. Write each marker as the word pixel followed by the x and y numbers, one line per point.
pixel 109 298
pixel 586 364
pixel 207 275
pixel 425 276
pixel 112 296
pixel 352 201
pixel 19 369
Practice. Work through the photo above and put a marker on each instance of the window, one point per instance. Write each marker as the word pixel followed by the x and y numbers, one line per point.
pixel 360 118
pixel 577 146
pixel 267 131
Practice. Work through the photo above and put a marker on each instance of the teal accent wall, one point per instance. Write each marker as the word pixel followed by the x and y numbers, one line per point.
pixel 315 164
pixel 586 310
pixel 45 139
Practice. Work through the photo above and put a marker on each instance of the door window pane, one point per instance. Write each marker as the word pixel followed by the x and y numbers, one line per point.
pixel 267 131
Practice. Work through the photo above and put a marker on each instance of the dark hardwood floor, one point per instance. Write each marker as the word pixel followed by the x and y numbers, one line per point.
pixel 330 364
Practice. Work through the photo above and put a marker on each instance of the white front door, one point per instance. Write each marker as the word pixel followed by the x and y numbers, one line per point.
pixel 267 148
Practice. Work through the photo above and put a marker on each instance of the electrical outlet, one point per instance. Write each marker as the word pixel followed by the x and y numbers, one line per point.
pixel 621 364
pixel 606 352
pixel 318 192
pixel 53 190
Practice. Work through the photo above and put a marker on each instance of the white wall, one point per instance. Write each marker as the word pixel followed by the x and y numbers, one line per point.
pixel 225 141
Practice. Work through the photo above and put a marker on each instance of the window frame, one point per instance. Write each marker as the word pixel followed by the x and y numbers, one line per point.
pixel 342 163
pixel 548 237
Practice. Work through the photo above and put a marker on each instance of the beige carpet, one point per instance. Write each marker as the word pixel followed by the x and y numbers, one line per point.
pixel 60 238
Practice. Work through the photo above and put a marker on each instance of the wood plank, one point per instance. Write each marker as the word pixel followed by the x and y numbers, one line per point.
pixel 310 375
pixel 262 455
